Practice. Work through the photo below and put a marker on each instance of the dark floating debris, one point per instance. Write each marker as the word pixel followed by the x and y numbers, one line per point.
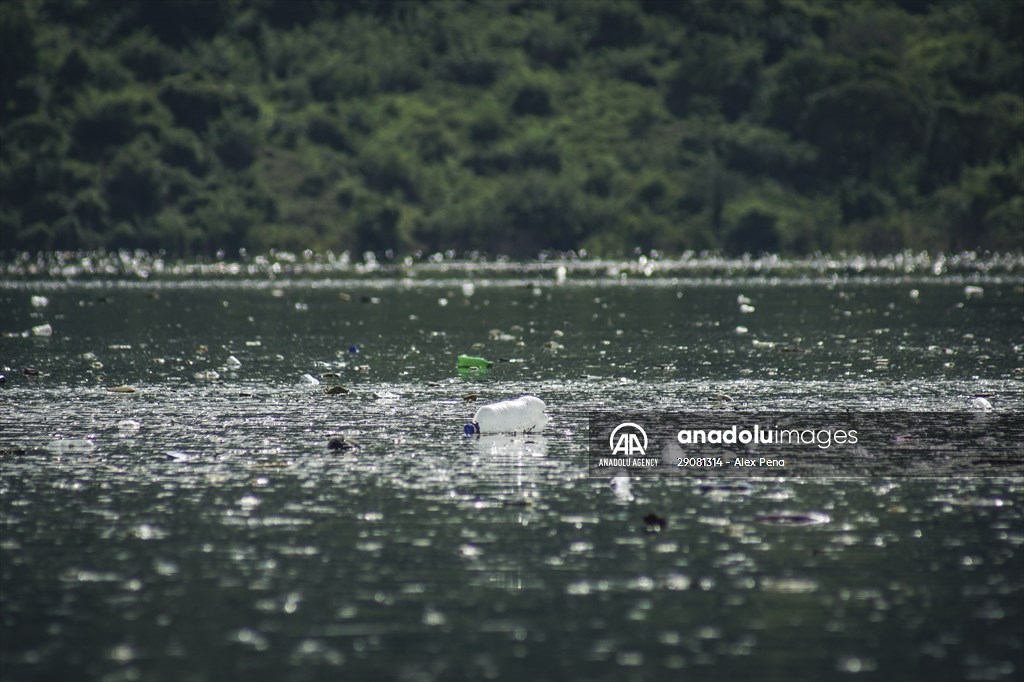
pixel 336 390
pixel 30 372
pixel 341 443
pixel 3 380
pixel 654 523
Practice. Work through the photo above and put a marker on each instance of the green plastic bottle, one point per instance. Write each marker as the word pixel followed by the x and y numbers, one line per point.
pixel 467 361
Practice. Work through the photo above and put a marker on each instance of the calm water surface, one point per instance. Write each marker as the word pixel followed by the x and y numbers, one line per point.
pixel 198 529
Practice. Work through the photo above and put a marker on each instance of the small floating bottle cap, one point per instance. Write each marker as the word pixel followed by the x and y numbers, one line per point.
pixel 468 429
pixel 353 349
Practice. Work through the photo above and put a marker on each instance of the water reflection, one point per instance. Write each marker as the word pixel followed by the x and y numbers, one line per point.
pixel 424 554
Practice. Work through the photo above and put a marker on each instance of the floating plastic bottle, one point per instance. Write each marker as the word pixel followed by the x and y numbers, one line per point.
pixel 522 415
pixel 70 445
pixel 980 404
pixel 467 361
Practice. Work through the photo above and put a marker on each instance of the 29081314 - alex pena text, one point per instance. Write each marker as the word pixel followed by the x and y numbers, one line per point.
pixel 762 462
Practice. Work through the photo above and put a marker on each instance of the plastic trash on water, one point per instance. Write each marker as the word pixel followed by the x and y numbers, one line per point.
pixel 467 361
pixel 472 367
pixel 40 301
pixel 620 487
pixel 42 330
pixel 309 380
pixel 70 445
pixel 521 415
pixel 980 404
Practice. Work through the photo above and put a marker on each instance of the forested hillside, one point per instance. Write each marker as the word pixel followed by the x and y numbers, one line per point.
pixel 512 127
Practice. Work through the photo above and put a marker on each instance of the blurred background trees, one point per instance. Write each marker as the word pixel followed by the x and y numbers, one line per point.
pixel 512 127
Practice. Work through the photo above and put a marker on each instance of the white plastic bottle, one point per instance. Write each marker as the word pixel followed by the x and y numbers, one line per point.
pixel 521 415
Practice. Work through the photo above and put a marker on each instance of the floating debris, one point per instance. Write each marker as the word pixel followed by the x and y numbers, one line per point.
pixel 743 300
pixel 470 397
pixel 654 523
pixel 342 296
pixel 980 403
pixel 620 487
pixel 747 308
pixel 353 349
pixel 341 443
pixel 468 289
pixel 472 361
pixel 121 389
pixel 971 291
pixel 309 380
pixel 233 362
pixel 741 330
pixel 914 294
pixel 521 415
pixel 40 301
pixel 794 518
pixel 30 372
pixel 179 456
pixel 336 390
pixel 70 446
pixel 42 330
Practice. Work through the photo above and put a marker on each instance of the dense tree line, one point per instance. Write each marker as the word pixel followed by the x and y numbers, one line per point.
pixel 510 127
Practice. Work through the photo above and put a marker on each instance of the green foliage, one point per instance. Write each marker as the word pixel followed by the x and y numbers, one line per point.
pixel 106 121
pixel 511 127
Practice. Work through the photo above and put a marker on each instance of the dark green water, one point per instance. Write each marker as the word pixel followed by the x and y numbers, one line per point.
pixel 251 552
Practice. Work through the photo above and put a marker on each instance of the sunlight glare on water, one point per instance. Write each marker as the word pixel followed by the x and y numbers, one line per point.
pixel 193 524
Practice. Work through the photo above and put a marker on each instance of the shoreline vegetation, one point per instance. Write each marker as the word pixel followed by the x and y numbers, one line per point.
pixel 615 128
